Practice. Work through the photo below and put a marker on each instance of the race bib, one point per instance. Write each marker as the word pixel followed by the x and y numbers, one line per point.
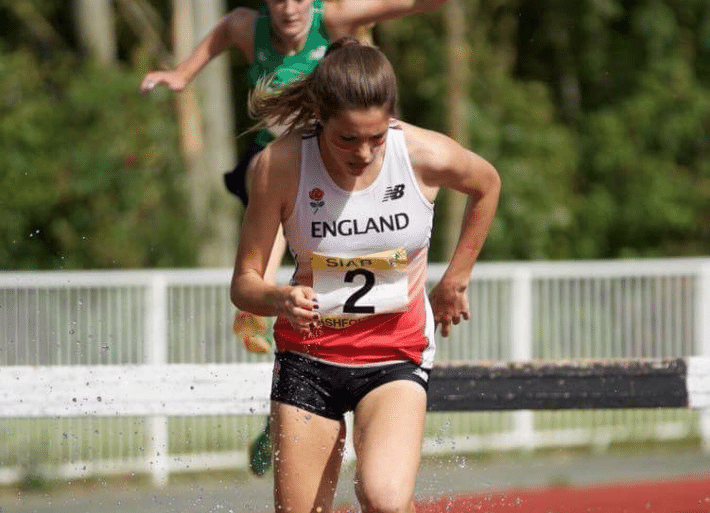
pixel 352 288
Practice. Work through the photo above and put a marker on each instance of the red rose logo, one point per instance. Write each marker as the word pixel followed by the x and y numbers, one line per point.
pixel 316 194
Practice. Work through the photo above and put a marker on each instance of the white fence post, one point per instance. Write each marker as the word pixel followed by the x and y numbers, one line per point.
pixel 521 347
pixel 156 347
pixel 702 315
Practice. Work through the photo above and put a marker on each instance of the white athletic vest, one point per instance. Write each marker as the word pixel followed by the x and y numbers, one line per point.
pixel 364 252
pixel 390 214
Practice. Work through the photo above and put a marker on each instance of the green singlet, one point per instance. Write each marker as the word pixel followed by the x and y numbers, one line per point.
pixel 285 68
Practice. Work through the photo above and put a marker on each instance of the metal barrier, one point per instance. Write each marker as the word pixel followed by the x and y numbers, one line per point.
pixel 520 312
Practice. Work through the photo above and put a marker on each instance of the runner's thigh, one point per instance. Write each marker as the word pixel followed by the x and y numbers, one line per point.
pixel 388 433
pixel 307 457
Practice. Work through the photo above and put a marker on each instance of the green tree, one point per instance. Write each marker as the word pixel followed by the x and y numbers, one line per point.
pixel 512 123
pixel 623 90
pixel 92 176
pixel 596 114
pixel 646 166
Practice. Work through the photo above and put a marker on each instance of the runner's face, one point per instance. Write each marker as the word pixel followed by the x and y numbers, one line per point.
pixel 290 18
pixel 355 139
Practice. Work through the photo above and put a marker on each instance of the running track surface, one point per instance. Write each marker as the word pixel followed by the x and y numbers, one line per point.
pixel 678 496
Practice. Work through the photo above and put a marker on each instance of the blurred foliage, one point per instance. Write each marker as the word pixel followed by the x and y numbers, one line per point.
pixel 91 173
pixel 630 81
pixel 646 166
pixel 596 114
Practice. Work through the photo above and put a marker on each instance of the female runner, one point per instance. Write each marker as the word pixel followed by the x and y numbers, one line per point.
pixel 354 191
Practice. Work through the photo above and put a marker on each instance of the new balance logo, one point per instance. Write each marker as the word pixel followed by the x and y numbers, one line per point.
pixel 422 374
pixel 394 192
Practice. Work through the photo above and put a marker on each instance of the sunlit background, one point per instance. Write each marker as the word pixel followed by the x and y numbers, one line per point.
pixel 596 115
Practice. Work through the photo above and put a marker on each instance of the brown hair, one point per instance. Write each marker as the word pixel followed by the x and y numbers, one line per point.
pixel 351 75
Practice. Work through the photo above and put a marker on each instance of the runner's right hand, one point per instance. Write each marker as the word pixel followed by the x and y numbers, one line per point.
pixel 170 78
pixel 299 305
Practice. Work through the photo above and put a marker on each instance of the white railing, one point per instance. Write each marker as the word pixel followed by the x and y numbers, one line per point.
pixel 520 311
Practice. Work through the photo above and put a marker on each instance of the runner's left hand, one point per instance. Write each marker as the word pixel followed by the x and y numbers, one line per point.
pixel 450 305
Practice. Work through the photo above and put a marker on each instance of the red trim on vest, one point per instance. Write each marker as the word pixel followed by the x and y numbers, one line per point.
pixel 381 338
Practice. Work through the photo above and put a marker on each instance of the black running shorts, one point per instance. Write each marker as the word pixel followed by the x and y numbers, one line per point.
pixel 331 390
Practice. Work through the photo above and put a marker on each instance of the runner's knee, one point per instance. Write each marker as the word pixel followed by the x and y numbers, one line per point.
pixel 387 495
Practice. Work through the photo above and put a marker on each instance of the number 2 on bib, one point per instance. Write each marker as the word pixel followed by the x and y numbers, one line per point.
pixel 351 288
pixel 350 306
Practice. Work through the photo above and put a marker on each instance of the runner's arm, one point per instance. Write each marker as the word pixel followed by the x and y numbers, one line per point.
pixel 234 29
pixel 250 290
pixel 441 162
pixel 344 17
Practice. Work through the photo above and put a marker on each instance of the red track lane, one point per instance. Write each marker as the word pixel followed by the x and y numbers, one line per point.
pixel 677 496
